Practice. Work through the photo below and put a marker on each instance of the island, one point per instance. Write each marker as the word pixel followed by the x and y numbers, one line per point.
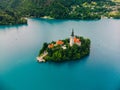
pixel 73 48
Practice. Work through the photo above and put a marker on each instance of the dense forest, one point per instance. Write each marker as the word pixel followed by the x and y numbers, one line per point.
pixel 15 11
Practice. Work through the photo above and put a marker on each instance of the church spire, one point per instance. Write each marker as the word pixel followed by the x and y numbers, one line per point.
pixel 72 33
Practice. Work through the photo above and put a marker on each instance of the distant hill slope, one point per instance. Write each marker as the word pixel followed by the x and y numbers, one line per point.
pixel 59 9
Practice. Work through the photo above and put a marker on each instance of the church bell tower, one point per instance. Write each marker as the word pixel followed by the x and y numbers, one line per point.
pixel 72 38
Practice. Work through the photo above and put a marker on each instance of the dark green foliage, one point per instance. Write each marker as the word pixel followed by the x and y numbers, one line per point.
pixel 45 45
pixel 10 18
pixel 11 11
pixel 58 54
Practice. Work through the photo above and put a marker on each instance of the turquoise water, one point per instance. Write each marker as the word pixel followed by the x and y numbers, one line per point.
pixel 19 46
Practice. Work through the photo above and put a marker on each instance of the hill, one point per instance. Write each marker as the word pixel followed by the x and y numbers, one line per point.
pixel 13 10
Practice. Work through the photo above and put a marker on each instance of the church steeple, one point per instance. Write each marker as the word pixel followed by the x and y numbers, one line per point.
pixel 72 33
pixel 72 38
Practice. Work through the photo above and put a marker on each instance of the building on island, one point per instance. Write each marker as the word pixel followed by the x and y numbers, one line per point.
pixel 51 45
pixel 59 42
pixel 74 40
pixel 77 41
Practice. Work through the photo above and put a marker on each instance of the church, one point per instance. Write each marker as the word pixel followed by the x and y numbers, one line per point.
pixel 74 40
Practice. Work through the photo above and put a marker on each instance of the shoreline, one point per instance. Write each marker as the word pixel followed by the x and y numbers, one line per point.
pixel 50 18
pixel 39 59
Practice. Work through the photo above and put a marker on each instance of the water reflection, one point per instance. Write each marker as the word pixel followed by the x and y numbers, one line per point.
pixel 2 27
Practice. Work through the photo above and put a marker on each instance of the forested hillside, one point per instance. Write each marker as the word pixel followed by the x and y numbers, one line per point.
pixel 14 11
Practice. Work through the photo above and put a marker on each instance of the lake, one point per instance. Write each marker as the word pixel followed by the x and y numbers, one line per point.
pixel 20 44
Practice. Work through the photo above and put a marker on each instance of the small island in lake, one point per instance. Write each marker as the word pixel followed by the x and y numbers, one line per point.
pixel 74 48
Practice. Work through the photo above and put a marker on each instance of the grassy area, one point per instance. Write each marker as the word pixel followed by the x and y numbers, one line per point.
pixel 116 0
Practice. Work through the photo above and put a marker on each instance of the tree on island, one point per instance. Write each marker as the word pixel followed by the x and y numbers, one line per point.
pixel 67 49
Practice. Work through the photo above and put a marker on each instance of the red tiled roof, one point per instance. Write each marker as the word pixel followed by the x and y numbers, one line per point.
pixel 76 40
pixel 50 45
pixel 59 42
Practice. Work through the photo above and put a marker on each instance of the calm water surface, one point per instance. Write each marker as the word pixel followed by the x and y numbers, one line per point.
pixel 19 46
